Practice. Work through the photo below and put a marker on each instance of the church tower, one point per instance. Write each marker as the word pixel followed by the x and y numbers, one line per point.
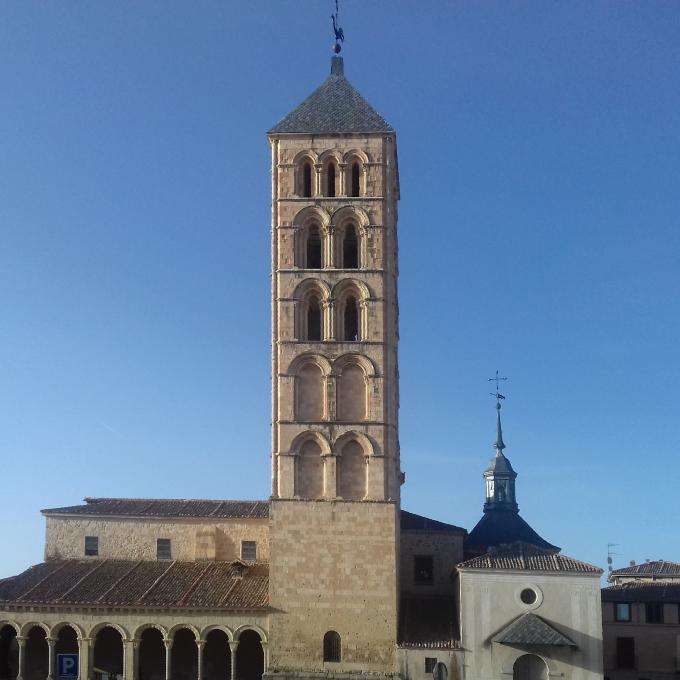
pixel 335 450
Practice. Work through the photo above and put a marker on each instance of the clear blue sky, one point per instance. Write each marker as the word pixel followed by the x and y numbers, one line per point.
pixel 539 147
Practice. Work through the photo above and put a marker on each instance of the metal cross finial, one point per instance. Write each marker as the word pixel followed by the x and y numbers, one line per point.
pixel 339 33
pixel 497 394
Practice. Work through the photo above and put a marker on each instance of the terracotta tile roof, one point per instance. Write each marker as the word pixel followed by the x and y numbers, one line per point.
pixel 161 507
pixel 412 522
pixel 654 568
pixel 428 621
pixel 525 557
pixel 128 583
pixel 641 591
pixel 530 629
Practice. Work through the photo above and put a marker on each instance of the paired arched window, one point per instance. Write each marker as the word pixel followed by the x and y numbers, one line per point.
pixel 313 258
pixel 350 248
pixel 331 177
pixel 314 320
pixel 307 179
pixel 355 176
pixel 332 647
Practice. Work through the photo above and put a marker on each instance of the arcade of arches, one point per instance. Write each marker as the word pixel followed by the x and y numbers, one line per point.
pixel 31 652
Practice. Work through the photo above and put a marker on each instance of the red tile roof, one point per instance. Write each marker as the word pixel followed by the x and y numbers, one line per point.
pixel 643 591
pixel 525 557
pixel 161 507
pixel 129 583
pixel 654 568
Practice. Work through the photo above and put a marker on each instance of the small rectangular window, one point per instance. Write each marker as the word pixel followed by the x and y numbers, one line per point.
pixel 654 612
pixel 622 611
pixel 91 546
pixel 163 549
pixel 625 652
pixel 248 550
pixel 430 663
pixel 423 570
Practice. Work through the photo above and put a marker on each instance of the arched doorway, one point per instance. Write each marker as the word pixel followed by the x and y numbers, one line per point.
pixel 37 654
pixel 249 656
pixel 529 667
pixel 9 653
pixel 184 656
pixel 216 656
pixel 151 655
pixel 108 653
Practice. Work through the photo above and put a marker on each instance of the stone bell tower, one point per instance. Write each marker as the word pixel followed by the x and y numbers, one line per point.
pixel 335 450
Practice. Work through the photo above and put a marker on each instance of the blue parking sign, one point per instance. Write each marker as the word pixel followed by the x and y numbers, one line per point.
pixel 67 665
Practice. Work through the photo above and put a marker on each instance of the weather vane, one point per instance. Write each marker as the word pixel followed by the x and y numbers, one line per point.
pixel 339 33
pixel 497 394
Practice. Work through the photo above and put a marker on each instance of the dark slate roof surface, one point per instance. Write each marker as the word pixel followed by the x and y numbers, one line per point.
pixel 500 527
pixel 412 522
pixel 129 583
pixel 428 621
pixel 641 591
pixel 524 557
pixel 161 507
pixel 653 568
pixel 334 107
pixel 530 629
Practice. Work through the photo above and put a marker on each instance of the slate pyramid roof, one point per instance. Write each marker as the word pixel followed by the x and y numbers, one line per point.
pixel 502 527
pixel 335 107
pixel 530 629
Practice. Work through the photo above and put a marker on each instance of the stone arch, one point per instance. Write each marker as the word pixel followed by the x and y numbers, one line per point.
pixel 529 667
pixel 352 474
pixel 368 445
pixel 309 470
pixel 54 631
pixel 106 624
pixel 351 310
pixel 352 357
pixel 217 626
pixel 308 220
pixel 108 649
pixel 312 213
pixel 151 654
pixel 309 357
pixel 250 626
pixel 184 652
pixel 183 626
pixel 9 650
pixel 350 213
pixel 26 627
pixel 350 224
pixel 145 626
pixel 36 652
pixel 305 173
pixel 66 639
pixel 13 624
pixel 318 437
pixel 250 654
pixel 355 173
pixel 216 654
pixel 330 173
pixel 310 287
pixel 357 286
pixel 359 154
pixel 353 373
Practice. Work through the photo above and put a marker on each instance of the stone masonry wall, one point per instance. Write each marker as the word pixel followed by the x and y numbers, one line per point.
pixel 333 567
pixel 135 539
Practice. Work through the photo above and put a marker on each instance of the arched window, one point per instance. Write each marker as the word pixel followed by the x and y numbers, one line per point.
pixel 314 324
pixel 309 393
pixel 529 667
pixel 350 248
pixel 332 647
pixel 330 181
pixel 351 394
pixel 307 179
pixel 309 471
pixel 354 183
pixel 313 259
pixel 351 320
pixel 352 472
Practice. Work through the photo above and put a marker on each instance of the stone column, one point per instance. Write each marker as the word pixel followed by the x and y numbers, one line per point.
pixel 233 646
pixel 84 658
pixel 363 321
pixel 168 658
pixel 200 644
pixel 329 477
pixel 318 167
pixel 21 641
pixel 130 659
pixel 342 169
pixel 51 642
pixel 329 319
pixel 329 246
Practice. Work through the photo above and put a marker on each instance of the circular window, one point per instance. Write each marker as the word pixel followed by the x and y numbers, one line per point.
pixel 528 596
